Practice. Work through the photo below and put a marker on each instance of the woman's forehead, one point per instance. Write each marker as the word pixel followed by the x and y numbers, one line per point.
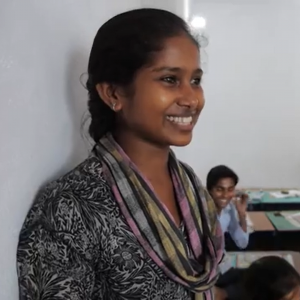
pixel 178 52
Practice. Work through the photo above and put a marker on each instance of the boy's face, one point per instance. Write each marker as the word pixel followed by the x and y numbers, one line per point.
pixel 223 192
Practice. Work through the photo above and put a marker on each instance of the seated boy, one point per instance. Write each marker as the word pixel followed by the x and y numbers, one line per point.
pixel 221 182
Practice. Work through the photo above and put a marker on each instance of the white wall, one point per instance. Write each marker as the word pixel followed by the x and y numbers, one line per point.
pixel 251 121
pixel 176 6
pixel 44 48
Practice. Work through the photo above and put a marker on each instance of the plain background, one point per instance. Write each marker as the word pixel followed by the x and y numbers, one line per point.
pixel 251 120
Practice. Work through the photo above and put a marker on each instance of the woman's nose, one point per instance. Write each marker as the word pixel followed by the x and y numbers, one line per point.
pixel 189 98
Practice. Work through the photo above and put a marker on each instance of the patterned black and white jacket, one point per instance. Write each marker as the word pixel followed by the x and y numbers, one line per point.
pixel 76 245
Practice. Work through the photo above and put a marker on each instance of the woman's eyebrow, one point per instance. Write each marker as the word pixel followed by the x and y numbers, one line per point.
pixel 174 69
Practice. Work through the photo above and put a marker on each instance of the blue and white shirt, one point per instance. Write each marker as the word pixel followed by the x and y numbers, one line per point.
pixel 230 223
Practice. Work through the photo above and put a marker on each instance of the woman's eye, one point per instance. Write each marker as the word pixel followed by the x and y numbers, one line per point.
pixel 196 81
pixel 174 80
pixel 170 79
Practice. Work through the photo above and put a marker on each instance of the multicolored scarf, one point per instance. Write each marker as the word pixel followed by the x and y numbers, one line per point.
pixel 194 266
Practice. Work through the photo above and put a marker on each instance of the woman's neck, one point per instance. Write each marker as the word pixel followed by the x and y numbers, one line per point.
pixel 151 160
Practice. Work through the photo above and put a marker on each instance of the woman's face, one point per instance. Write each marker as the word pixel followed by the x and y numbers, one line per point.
pixel 223 192
pixel 168 96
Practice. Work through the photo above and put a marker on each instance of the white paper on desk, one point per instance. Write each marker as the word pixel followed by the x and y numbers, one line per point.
pixel 295 193
pixel 279 195
pixel 290 214
pixel 291 193
pixel 257 195
pixel 293 218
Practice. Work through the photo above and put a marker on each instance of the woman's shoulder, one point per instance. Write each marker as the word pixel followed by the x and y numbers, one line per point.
pixel 67 225
pixel 87 175
pixel 80 196
pixel 85 182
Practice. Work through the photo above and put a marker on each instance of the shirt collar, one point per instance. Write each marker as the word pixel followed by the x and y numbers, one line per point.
pixel 228 208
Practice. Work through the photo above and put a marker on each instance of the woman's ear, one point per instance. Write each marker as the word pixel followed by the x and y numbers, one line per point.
pixel 109 95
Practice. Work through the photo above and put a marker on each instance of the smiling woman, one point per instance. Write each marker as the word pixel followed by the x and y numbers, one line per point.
pixel 163 103
pixel 131 221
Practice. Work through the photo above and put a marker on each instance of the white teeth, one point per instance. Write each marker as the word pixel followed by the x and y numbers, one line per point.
pixel 181 120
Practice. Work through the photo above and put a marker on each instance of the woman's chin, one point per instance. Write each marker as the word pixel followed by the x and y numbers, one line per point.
pixel 180 140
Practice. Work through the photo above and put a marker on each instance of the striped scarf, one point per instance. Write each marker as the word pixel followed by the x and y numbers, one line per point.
pixel 194 266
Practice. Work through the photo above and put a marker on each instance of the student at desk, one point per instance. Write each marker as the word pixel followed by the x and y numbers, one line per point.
pixel 221 182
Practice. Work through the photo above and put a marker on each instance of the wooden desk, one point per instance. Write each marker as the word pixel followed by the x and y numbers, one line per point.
pixel 260 221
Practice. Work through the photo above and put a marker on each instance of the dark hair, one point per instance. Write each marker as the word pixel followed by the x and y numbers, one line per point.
pixel 121 47
pixel 217 173
pixel 270 278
